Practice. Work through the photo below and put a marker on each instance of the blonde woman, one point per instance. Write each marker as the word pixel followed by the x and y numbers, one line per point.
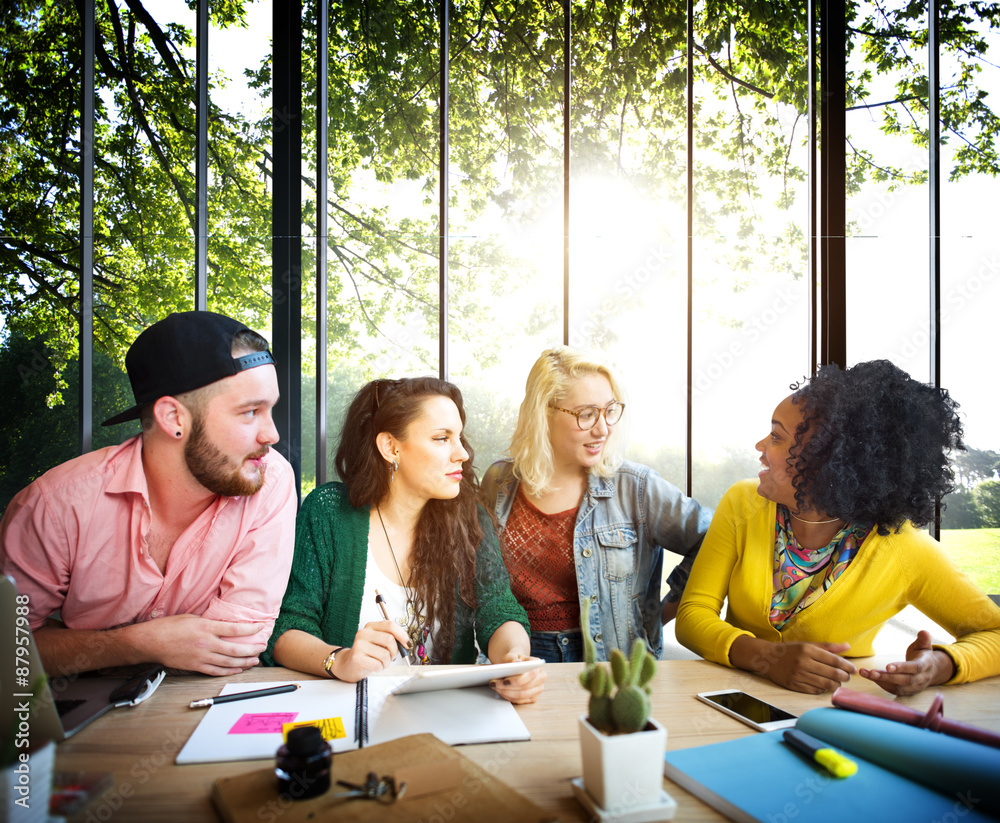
pixel 579 522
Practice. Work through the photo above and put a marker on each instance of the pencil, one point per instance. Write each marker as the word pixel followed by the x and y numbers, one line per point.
pixel 226 698
pixel 381 604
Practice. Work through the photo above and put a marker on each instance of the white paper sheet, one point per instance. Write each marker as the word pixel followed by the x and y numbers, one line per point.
pixel 455 716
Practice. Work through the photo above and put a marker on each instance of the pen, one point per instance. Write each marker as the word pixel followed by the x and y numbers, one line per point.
pixel 226 698
pixel 833 761
pixel 381 604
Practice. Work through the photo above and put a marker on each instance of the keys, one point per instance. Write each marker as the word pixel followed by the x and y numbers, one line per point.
pixel 382 789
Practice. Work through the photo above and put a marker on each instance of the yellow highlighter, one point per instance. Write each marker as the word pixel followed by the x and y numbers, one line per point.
pixel 833 761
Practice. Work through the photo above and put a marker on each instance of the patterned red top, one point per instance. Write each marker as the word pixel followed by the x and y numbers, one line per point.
pixel 538 551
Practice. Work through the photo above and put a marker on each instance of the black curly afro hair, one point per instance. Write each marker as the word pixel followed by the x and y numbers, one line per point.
pixel 877 446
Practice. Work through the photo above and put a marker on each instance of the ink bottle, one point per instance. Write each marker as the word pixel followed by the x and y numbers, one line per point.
pixel 302 764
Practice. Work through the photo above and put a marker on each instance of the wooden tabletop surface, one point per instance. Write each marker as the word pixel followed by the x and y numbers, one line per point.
pixel 139 745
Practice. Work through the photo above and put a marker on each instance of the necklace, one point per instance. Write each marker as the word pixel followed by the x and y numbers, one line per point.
pixel 392 554
pixel 413 619
pixel 803 520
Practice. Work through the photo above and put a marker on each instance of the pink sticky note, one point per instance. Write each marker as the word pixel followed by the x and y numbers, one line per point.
pixel 267 723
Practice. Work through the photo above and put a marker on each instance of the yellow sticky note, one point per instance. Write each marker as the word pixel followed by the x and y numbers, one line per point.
pixel 331 727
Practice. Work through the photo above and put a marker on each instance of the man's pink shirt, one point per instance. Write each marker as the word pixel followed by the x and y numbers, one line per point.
pixel 75 541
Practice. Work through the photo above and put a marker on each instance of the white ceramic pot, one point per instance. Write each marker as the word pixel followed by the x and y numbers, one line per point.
pixel 26 785
pixel 623 771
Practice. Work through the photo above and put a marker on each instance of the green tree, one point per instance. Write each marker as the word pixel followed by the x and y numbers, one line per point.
pixel 972 466
pixel 961 511
pixel 628 96
pixel 38 434
pixel 506 92
pixel 988 500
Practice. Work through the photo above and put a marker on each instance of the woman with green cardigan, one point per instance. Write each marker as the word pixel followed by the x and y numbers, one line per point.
pixel 400 557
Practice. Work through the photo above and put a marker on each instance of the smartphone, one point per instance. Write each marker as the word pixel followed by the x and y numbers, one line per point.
pixel 749 709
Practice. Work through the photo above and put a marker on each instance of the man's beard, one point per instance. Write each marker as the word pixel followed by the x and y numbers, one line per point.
pixel 214 470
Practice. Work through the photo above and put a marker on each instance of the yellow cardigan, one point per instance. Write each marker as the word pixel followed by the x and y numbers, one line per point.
pixel 887 574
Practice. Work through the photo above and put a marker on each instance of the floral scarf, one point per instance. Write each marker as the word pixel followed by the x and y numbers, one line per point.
pixel 802 575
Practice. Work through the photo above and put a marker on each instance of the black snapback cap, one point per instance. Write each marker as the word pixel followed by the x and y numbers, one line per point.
pixel 183 352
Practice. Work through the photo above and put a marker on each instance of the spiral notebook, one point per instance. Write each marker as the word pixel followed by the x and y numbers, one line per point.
pixel 367 713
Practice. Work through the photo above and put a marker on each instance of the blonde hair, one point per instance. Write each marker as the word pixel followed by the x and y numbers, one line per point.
pixel 549 382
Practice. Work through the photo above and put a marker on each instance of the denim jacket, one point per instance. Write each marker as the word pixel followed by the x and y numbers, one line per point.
pixel 621 525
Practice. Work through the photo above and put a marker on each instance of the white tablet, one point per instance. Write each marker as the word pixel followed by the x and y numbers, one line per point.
pixel 432 678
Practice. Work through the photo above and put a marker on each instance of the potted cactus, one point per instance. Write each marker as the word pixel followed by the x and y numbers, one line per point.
pixel 621 745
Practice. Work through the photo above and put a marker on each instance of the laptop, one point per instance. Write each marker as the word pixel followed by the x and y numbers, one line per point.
pixel 60 707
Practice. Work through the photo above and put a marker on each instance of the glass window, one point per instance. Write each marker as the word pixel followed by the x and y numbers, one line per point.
pixel 887 205
pixel 970 294
pixel 382 277
pixel 750 258
pixel 239 168
pixel 505 264
pixel 628 272
pixel 628 266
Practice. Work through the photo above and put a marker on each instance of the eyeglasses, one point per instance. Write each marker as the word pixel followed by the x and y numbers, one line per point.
pixel 588 416
pixel 383 387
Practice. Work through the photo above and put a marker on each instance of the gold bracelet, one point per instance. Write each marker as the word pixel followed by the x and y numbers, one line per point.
pixel 330 658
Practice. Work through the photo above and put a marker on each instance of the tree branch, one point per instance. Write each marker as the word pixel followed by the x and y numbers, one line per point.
pixel 139 112
pixel 732 77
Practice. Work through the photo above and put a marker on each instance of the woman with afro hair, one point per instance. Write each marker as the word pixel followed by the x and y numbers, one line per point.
pixel 829 545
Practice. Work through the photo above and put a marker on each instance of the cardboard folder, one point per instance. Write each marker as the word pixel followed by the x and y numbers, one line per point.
pixel 478 797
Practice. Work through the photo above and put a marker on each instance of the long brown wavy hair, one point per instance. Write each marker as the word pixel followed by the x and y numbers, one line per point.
pixel 448 532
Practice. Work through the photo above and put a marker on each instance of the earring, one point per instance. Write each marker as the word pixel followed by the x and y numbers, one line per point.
pixel 395 466
pixel 177 433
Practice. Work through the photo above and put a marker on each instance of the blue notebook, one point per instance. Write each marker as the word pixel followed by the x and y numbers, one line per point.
pixel 904 774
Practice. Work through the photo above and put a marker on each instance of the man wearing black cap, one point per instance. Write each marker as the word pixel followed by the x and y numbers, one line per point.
pixel 175 546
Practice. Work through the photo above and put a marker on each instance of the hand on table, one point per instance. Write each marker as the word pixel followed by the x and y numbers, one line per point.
pixel 811 668
pixel 523 688
pixel 924 666
pixel 373 650
pixel 187 642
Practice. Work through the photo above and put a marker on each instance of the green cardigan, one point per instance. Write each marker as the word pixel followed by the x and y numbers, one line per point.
pixel 324 592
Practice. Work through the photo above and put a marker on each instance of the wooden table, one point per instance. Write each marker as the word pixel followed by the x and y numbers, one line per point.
pixel 139 745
